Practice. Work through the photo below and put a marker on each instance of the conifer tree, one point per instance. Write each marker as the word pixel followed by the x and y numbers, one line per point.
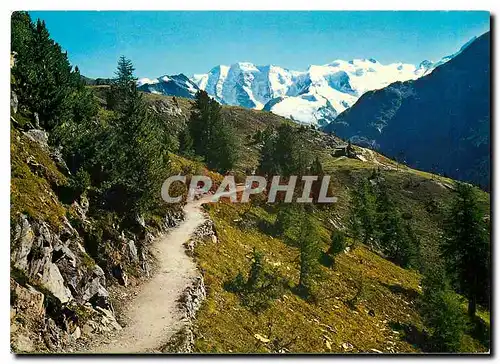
pixel 466 247
pixel 213 138
pixel 267 161
pixel 309 252
pixel 441 311
pixel 186 143
pixel 362 221
pixel 123 87
pixel 337 244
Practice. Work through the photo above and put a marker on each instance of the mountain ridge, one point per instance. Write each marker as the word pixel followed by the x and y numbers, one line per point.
pixel 314 96
pixel 452 102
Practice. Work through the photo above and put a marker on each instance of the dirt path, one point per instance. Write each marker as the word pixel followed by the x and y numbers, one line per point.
pixel 153 315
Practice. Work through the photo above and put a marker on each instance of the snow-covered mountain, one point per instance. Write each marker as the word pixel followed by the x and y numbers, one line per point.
pixel 315 96
pixel 176 85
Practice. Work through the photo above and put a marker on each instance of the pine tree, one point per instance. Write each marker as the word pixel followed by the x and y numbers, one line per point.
pixel 362 221
pixel 337 244
pixel 267 161
pixel 441 311
pixel 186 143
pixel 123 87
pixel 396 239
pixel 44 78
pixel 466 247
pixel 309 252
pixel 213 138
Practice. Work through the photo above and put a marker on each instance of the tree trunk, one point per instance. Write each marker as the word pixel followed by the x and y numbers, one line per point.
pixel 472 307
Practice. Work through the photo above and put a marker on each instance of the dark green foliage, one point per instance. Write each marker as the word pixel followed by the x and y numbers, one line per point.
pixel 261 286
pixel 212 136
pixel 284 152
pixel 375 219
pixel 466 247
pixel 287 222
pixel 441 312
pixel 81 181
pixel 362 221
pixel 186 143
pixel 309 254
pixel 44 80
pixel 396 238
pixel 337 244
pixel 123 87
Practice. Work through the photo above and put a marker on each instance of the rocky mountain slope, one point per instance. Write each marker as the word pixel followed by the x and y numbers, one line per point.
pixel 440 122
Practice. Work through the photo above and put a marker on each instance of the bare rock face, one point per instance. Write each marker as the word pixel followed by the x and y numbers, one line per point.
pixel 132 250
pixel 14 103
pixel 39 136
pixel 24 236
pixel 189 303
pixel 54 282
pixel 55 279
pixel 28 299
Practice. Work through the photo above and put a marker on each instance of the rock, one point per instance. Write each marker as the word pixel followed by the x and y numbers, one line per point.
pixel 96 294
pixel 132 250
pixel 145 264
pixel 23 344
pixel 37 120
pixel 39 136
pixel 51 335
pixel 62 252
pixel 261 338
pixel 22 243
pixel 28 299
pixel 14 102
pixel 120 274
pixel 77 333
pixel 347 346
pixel 108 319
pixel 214 239
pixel 56 155
pixel 54 282
pixel 87 329
pixel 205 230
pixel 140 220
pixel 192 297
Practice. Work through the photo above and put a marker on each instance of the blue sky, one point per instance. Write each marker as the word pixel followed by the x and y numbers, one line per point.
pixel 161 43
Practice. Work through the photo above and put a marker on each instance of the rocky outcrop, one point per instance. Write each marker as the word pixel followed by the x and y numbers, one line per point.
pixel 205 232
pixel 189 303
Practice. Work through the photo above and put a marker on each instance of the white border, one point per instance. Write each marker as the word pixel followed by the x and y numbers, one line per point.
pixel 6 357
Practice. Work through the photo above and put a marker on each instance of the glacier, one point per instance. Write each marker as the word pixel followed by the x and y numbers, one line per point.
pixel 315 96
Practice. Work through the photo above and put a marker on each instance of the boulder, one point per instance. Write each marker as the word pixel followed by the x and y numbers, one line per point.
pixel 132 250
pixel 96 294
pixel 39 136
pixel 54 282
pixel 22 243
